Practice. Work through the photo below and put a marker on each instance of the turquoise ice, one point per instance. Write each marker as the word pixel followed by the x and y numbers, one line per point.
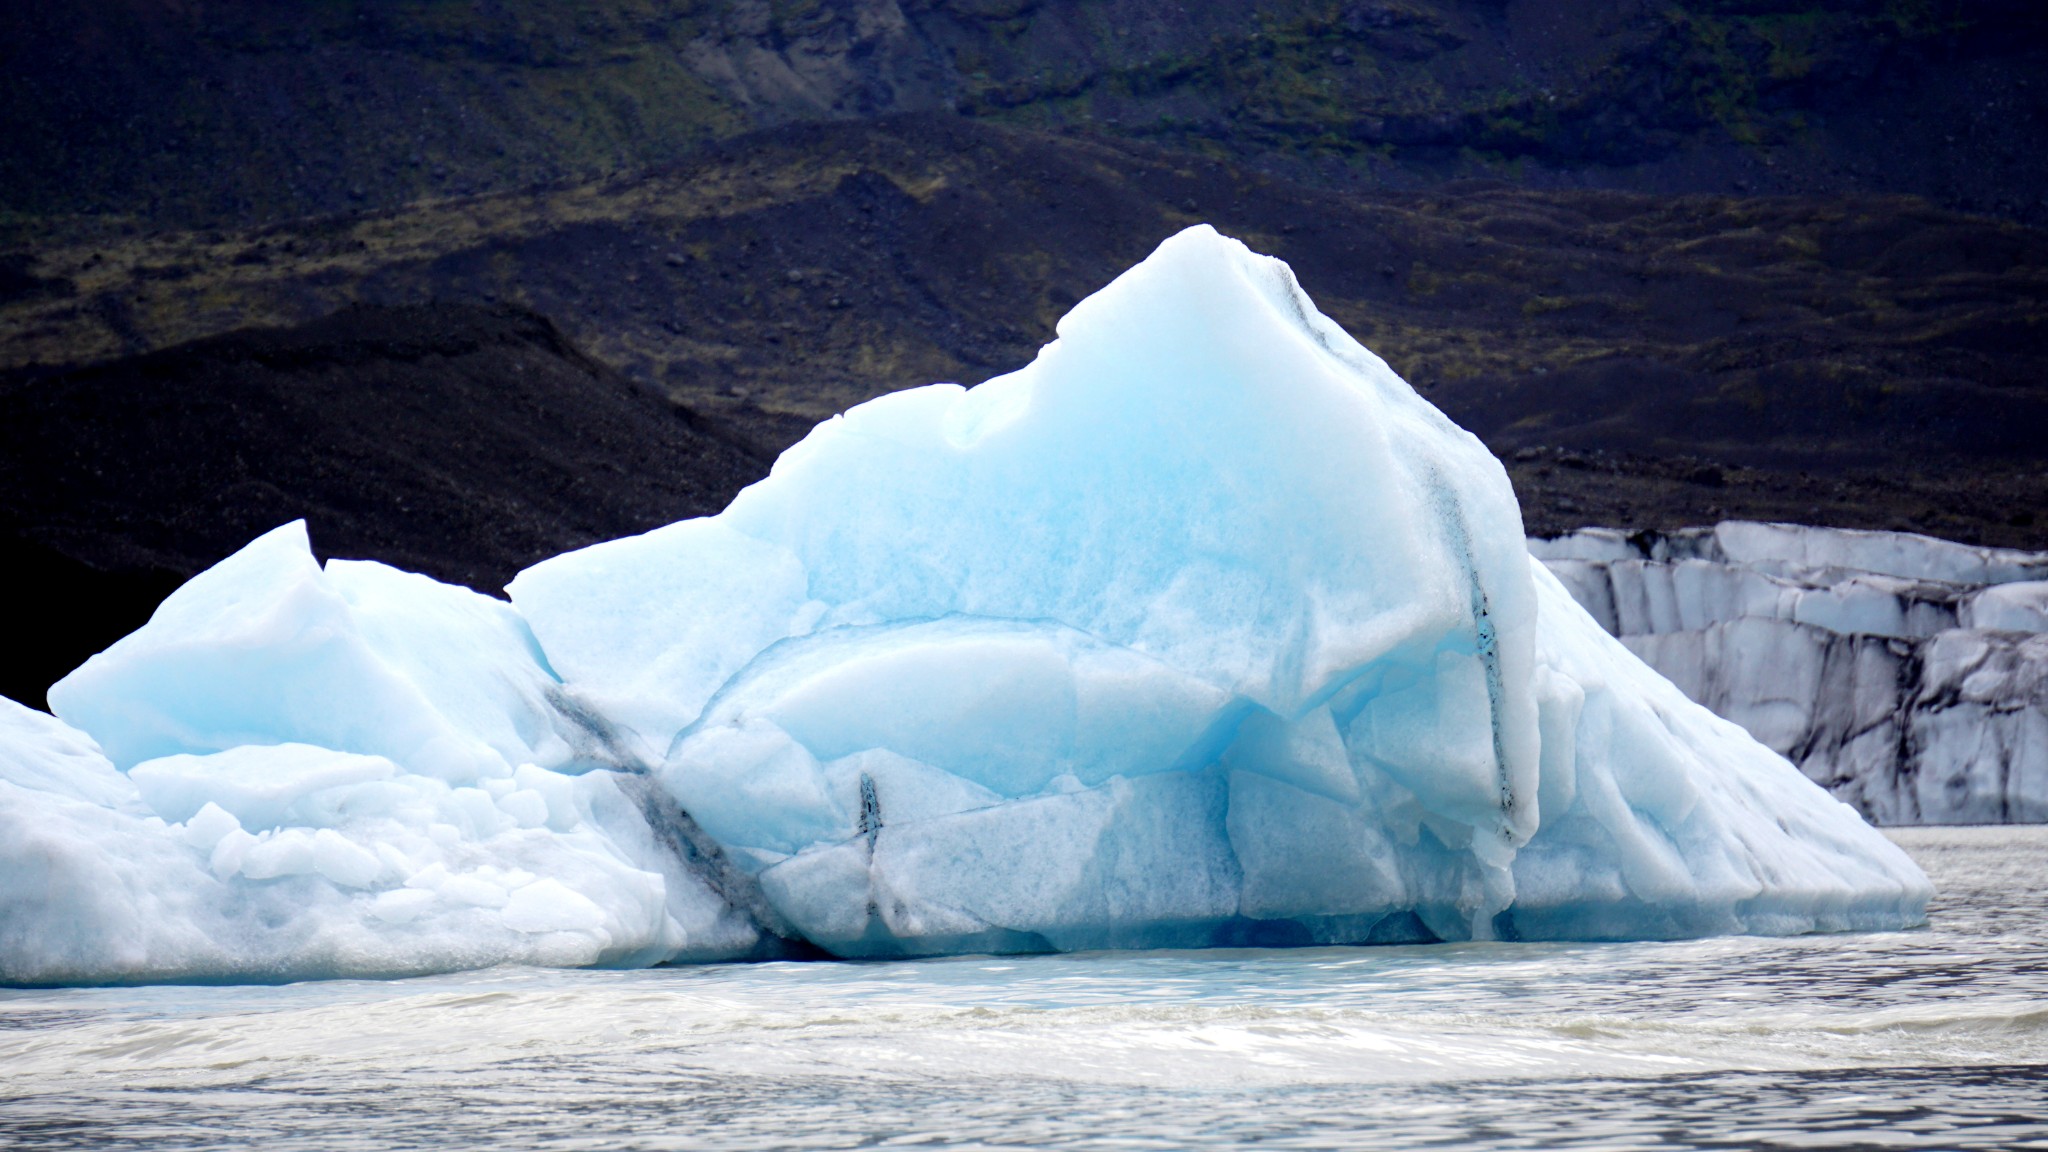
pixel 1201 629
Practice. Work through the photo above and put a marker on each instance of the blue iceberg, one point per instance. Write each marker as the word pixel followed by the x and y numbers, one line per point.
pixel 1202 629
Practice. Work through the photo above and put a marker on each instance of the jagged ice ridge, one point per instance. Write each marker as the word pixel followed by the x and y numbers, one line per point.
pixel 1201 629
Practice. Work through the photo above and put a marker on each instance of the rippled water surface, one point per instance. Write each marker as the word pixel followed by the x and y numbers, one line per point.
pixel 1927 1039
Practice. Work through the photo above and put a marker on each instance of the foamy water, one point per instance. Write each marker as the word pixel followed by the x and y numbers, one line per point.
pixel 1935 1038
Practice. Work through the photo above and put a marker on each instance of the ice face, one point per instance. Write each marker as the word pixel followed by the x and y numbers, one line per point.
pixel 1203 628
pixel 1908 675
pixel 1202 468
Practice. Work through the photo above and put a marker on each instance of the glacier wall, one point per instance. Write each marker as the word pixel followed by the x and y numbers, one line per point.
pixel 1907 675
pixel 1202 629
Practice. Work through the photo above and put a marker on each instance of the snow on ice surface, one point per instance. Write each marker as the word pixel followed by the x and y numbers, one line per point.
pixel 1201 629
pixel 304 862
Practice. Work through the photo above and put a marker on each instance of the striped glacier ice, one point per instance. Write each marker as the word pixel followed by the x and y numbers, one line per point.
pixel 1907 675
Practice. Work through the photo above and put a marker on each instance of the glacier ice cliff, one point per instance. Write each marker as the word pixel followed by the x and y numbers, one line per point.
pixel 1907 675
pixel 1201 629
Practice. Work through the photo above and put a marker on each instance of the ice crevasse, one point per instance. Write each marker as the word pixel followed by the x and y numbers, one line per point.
pixel 1201 629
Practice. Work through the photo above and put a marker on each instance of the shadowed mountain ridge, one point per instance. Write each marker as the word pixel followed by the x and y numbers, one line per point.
pixel 231 112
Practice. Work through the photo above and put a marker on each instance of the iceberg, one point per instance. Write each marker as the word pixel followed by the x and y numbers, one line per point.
pixel 1202 629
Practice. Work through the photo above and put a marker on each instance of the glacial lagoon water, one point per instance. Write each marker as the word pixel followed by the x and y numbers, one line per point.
pixel 1936 1038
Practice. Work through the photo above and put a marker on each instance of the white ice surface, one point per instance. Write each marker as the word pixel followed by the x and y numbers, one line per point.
pixel 2018 607
pixel 287 861
pixel 1201 629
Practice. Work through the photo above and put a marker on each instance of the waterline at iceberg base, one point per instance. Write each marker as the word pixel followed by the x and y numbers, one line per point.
pixel 1202 629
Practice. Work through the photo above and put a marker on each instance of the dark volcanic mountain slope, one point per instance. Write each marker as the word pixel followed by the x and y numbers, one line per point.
pixel 232 112
pixel 808 268
pixel 459 441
